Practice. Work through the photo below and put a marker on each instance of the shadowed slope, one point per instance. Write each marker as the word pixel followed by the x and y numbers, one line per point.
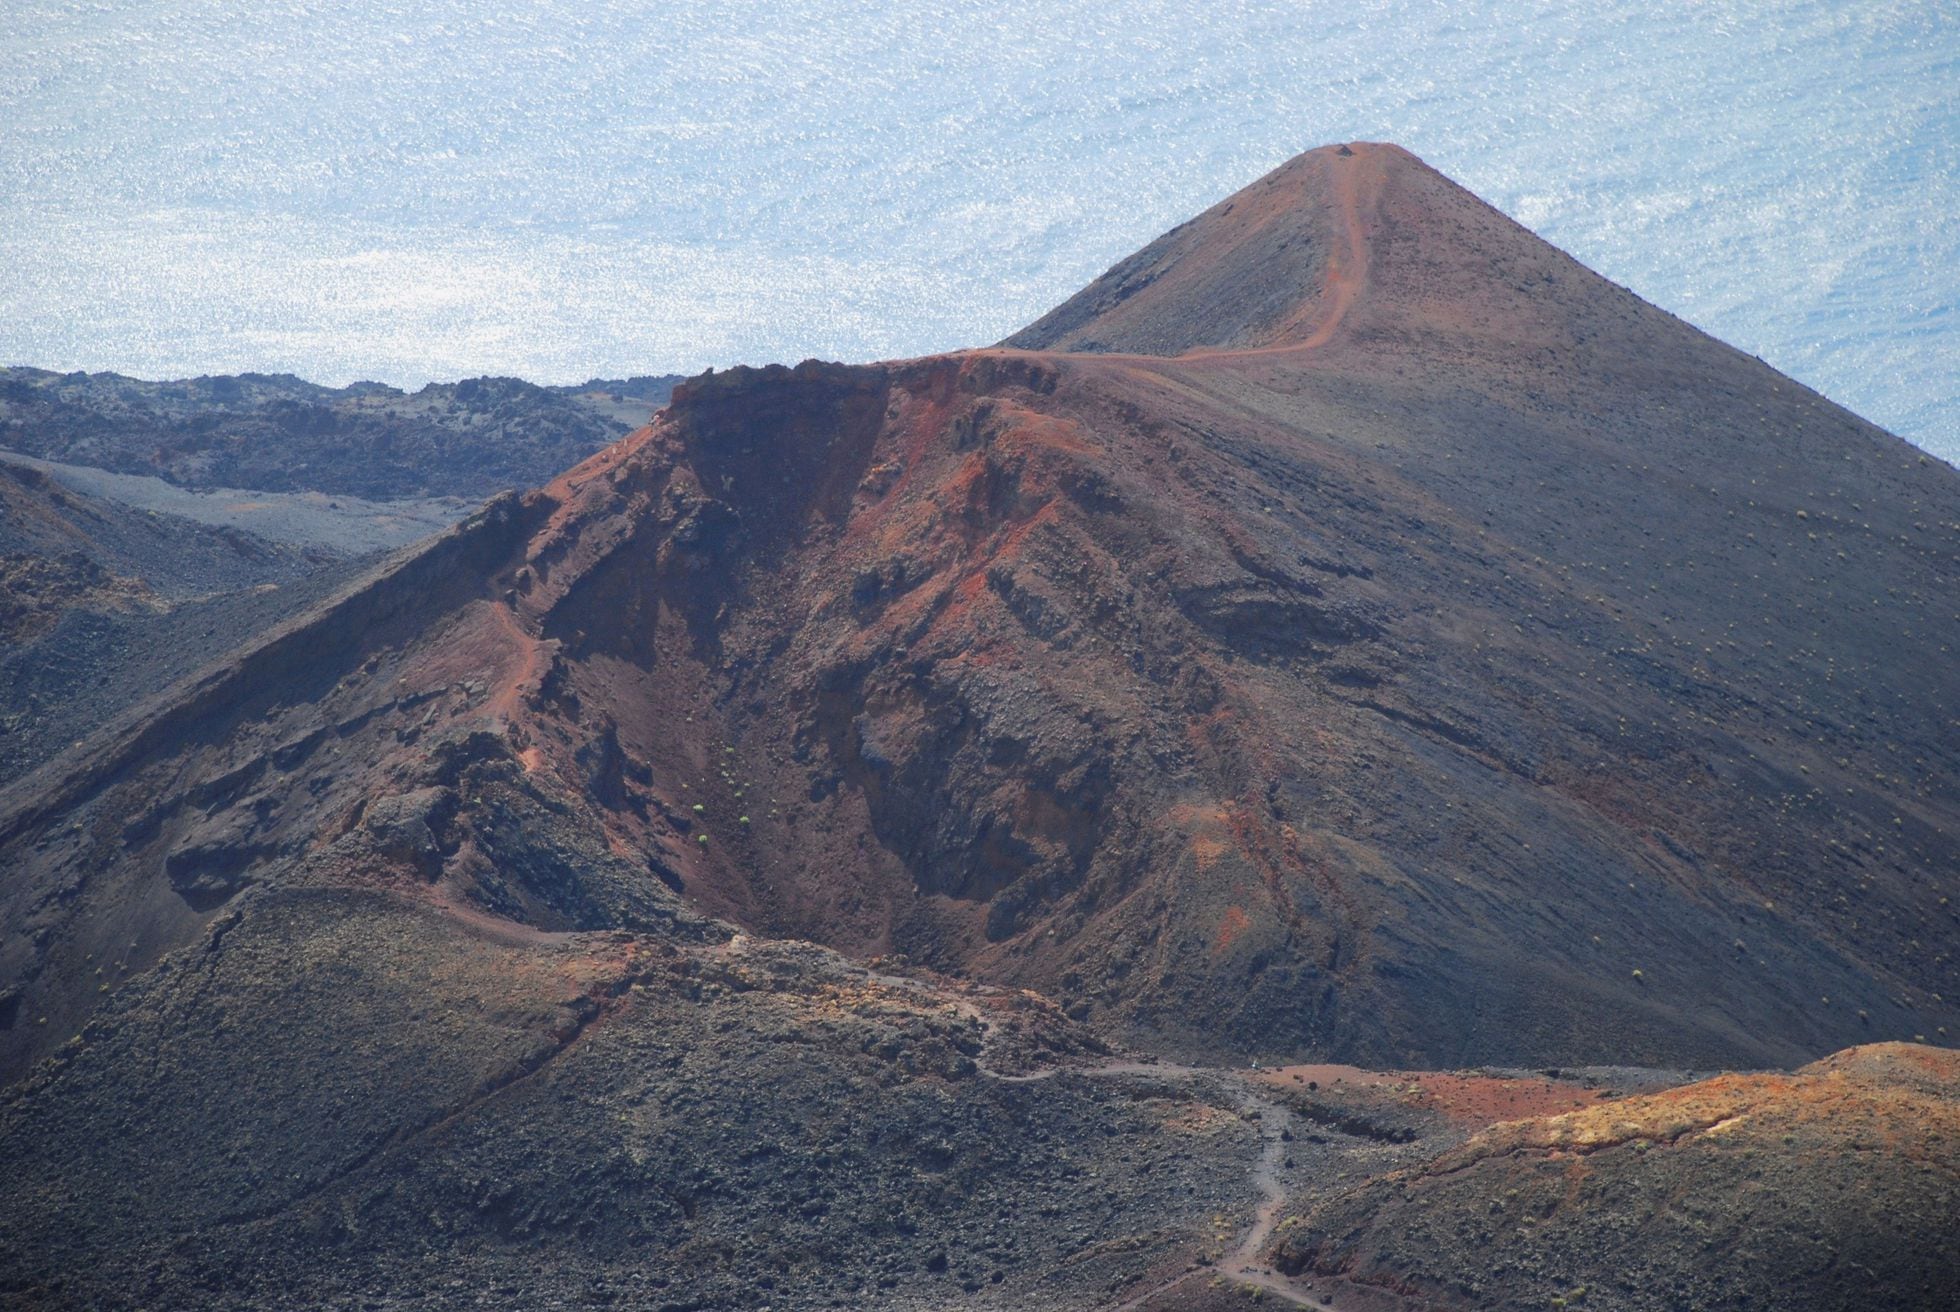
pixel 99 601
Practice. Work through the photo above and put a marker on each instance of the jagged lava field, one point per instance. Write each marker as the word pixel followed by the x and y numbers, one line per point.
pixel 850 842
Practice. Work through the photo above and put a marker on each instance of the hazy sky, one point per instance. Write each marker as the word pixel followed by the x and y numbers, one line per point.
pixel 412 191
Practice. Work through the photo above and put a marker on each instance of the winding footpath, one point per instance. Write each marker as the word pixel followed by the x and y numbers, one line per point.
pixel 1245 1264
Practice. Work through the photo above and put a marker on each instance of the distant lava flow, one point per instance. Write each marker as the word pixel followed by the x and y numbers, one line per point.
pixel 1347 627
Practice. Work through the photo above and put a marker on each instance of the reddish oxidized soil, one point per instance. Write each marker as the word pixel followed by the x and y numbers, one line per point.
pixel 1465 1101
pixel 1350 631
pixel 1472 666
pixel 1412 681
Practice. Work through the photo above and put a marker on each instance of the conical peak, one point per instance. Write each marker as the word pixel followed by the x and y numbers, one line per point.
pixel 1338 246
pixel 1277 264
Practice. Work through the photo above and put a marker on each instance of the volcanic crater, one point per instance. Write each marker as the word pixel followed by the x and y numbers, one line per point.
pixel 1349 631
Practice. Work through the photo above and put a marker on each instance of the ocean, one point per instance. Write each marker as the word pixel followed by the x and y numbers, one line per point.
pixel 406 191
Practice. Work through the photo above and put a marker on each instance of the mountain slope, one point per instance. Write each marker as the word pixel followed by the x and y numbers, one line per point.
pixel 1499 671
pixel 100 602
pixel 1448 659
pixel 1272 265
pixel 1819 1189
pixel 1447 690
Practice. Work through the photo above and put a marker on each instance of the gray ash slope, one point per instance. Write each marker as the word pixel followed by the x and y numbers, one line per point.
pixel 148 528
pixel 176 557
pixel 103 605
pixel 363 1108
pixel 94 663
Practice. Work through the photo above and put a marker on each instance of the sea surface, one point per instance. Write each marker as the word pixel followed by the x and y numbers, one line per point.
pixel 411 191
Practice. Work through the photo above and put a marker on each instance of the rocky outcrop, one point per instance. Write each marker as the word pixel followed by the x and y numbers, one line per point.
pixel 277 433
pixel 1829 1188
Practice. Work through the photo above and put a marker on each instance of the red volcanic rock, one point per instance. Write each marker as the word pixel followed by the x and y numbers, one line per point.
pixel 1391 641
pixel 1435 643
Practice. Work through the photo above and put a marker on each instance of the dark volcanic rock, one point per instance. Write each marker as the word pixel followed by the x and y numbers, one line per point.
pixel 344 1095
pixel 1486 667
pixel 275 432
pixel 1446 658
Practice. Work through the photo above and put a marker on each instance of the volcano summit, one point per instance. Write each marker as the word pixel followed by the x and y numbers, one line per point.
pixel 1347 631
